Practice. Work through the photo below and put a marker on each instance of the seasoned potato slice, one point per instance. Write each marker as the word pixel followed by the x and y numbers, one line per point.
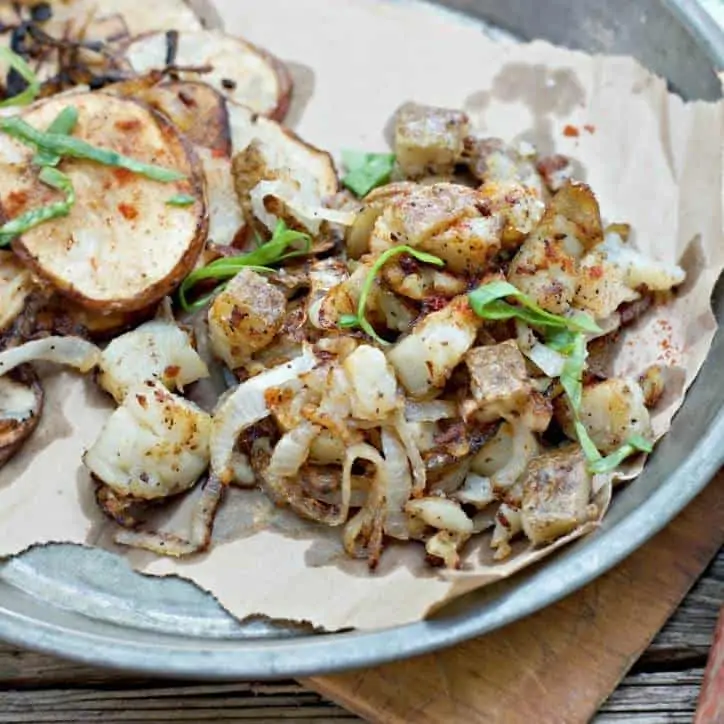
pixel 21 404
pixel 71 15
pixel 280 150
pixel 122 247
pixel 429 140
pixel 245 317
pixel 156 444
pixel 240 71
pixel 196 109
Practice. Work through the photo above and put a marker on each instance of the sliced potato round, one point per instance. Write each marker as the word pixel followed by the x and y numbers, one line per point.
pixel 196 109
pixel 21 403
pixel 122 246
pixel 70 16
pixel 281 150
pixel 240 71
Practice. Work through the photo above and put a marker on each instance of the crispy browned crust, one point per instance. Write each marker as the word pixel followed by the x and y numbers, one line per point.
pixel 14 433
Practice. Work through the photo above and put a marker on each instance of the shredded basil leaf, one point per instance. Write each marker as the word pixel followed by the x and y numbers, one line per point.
pixel 634 444
pixel 64 123
pixel 181 200
pixel 17 63
pixel 63 145
pixel 487 301
pixel 359 319
pixel 366 171
pixel 57 180
pixel 272 252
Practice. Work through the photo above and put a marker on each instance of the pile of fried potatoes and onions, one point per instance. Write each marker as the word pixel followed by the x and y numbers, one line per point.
pixel 407 355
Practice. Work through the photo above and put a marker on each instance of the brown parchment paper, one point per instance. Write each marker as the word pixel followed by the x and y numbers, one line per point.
pixel 652 160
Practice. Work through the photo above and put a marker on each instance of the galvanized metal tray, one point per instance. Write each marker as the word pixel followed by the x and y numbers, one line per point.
pixel 88 605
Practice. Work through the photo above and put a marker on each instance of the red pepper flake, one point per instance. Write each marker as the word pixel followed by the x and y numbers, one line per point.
pixel 172 371
pixel 122 175
pixel 571 132
pixel 590 128
pixel 128 211
pixel 595 272
pixel 129 124
pixel 142 401
pixel 16 200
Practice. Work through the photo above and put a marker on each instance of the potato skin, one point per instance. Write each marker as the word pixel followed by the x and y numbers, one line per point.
pixel 144 292
pixel 245 317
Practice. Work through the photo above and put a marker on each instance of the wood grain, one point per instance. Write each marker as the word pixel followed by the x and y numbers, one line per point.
pixel 558 665
pixel 39 688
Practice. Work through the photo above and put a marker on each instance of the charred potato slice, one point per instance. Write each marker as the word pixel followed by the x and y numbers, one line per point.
pixel 154 445
pixel 241 72
pixel 196 109
pixel 70 16
pixel 429 140
pixel 245 317
pixel 21 404
pixel 121 247
pixel 263 149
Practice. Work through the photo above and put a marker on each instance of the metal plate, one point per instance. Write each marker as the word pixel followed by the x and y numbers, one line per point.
pixel 88 605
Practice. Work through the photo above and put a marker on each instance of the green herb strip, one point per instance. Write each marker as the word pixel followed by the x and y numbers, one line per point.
pixel 359 319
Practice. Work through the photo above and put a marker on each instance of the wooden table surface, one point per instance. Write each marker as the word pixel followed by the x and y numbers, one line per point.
pixel 662 686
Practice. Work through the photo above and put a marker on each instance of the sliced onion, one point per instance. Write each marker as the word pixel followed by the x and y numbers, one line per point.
pixel 305 206
pixel 440 513
pixel 363 534
pixel 399 485
pixel 419 474
pixel 71 351
pixel 292 450
pixel 549 361
pixel 430 411
pixel 525 448
pixel 244 407
pixel 508 524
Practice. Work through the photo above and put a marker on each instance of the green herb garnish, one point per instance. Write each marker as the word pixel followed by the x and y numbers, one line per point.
pixel 359 319
pixel 634 444
pixel 29 94
pixel 272 252
pixel 572 383
pixel 62 145
pixel 64 123
pixel 57 180
pixel 488 302
pixel 181 200
pixel 366 171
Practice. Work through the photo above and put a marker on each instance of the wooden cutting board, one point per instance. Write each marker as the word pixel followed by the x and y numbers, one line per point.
pixel 558 665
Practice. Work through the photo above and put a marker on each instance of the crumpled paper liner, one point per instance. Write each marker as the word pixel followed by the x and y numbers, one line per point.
pixel 652 160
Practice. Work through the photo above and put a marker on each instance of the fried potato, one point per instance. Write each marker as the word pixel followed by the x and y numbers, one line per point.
pixel 70 16
pixel 241 72
pixel 21 403
pixel 122 247
pixel 280 150
pixel 196 109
